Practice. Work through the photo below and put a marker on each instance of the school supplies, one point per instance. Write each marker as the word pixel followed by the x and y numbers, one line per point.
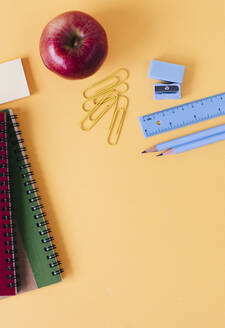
pixel 105 95
pixel 13 81
pixel 194 144
pixel 116 125
pixel 107 84
pixel 182 115
pixel 101 107
pixel 167 72
pixel 38 263
pixel 166 91
pixel 186 139
pixel 8 277
pixel 163 71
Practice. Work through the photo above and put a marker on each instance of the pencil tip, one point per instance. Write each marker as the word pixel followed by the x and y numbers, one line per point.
pixel 144 151
pixel 160 154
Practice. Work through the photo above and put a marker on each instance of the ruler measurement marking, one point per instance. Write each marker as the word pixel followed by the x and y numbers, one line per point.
pixel 186 114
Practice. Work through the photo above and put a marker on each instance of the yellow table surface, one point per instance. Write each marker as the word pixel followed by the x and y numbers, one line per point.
pixel 141 238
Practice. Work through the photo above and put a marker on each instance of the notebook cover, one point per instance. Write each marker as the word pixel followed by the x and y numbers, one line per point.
pixel 7 250
pixel 40 266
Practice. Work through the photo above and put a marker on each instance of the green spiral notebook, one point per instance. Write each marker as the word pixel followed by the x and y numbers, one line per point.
pixel 38 263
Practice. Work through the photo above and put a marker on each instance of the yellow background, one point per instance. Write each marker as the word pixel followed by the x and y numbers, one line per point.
pixel 141 238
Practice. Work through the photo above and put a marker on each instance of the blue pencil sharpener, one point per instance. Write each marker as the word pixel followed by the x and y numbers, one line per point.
pixel 170 73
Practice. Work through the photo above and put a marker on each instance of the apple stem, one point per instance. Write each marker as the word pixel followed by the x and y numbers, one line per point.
pixel 76 41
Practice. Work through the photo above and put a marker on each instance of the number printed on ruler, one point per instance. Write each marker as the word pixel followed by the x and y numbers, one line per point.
pixel 183 115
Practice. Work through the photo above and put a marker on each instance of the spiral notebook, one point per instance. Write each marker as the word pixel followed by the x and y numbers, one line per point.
pixel 7 252
pixel 38 263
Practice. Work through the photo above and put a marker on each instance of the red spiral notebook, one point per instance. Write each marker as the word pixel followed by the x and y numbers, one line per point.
pixel 7 253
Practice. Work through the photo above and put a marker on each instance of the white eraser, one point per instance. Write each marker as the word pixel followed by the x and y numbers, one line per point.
pixel 13 83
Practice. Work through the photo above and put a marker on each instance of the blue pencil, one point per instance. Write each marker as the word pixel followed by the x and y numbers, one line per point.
pixel 194 144
pixel 189 138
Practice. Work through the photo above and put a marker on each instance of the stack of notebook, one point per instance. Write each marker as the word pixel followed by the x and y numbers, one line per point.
pixel 28 259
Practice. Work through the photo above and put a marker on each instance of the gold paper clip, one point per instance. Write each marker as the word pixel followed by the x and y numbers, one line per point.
pixel 105 104
pixel 117 124
pixel 106 84
pixel 90 102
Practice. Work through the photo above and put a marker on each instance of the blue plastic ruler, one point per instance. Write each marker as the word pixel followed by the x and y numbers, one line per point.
pixel 183 115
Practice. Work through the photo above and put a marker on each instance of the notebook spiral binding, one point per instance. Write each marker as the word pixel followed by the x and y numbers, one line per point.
pixel 42 224
pixel 8 234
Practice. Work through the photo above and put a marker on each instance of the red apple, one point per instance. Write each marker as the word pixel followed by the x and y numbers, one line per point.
pixel 73 45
